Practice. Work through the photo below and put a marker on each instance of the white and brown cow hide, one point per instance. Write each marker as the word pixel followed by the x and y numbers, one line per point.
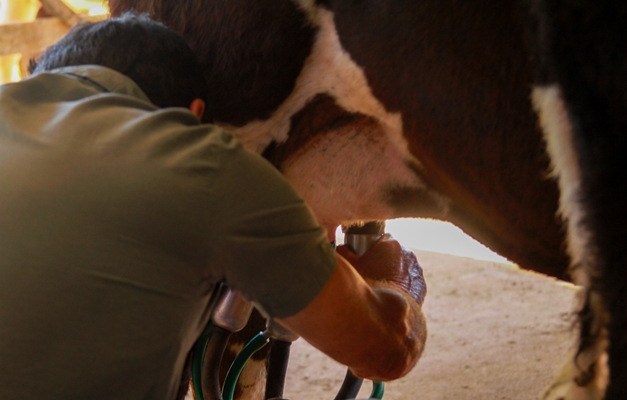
pixel 377 109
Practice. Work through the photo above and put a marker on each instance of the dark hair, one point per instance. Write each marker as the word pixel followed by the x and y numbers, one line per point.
pixel 158 59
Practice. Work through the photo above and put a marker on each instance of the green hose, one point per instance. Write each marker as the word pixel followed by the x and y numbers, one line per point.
pixel 236 368
pixel 255 344
pixel 377 390
pixel 198 357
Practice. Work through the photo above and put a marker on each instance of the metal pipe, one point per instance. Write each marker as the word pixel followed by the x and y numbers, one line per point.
pixel 279 332
pixel 361 238
pixel 232 311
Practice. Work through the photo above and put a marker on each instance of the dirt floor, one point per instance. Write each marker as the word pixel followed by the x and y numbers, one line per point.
pixel 494 333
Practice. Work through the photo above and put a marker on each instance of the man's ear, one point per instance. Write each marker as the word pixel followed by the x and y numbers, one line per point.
pixel 197 107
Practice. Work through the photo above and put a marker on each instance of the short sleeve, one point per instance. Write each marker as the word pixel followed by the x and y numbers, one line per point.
pixel 275 251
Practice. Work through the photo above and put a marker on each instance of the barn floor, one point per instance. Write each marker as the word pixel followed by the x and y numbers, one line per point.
pixel 494 333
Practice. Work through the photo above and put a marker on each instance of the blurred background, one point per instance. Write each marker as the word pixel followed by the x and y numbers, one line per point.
pixel 24 25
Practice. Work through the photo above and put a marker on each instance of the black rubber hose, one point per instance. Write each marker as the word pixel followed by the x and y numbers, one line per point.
pixel 350 387
pixel 277 369
pixel 210 378
pixel 185 378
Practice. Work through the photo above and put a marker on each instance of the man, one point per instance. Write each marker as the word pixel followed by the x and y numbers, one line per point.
pixel 120 212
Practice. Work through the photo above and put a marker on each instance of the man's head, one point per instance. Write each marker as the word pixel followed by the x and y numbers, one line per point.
pixel 155 57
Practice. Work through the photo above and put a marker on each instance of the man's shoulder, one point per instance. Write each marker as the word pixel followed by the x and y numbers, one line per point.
pixel 105 79
pixel 51 94
pixel 98 113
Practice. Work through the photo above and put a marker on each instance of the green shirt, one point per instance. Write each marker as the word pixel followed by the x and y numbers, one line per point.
pixel 117 218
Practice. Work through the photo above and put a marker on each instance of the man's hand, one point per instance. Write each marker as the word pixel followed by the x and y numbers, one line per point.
pixel 369 320
pixel 389 262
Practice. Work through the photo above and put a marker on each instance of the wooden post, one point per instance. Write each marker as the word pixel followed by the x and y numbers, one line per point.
pixel 59 9
pixel 15 11
pixel 31 37
pixel 19 37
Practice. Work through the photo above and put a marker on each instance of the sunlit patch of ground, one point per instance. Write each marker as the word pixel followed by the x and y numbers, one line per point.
pixel 436 236
pixel 495 332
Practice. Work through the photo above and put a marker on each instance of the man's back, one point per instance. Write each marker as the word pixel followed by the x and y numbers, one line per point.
pixel 116 224
pixel 74 205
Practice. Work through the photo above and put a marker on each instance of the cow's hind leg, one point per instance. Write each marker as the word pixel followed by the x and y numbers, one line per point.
pixel 584 374
pixel 582 106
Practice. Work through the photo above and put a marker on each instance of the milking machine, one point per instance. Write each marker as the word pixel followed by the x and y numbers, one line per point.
pixel 231 315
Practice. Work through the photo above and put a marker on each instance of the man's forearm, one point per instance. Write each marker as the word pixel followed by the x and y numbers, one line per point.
pixel 379 333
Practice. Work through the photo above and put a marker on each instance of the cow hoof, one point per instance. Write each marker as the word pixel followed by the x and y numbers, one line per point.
pixel 573 383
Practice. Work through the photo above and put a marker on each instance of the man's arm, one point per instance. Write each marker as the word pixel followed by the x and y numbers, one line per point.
pixel 372 322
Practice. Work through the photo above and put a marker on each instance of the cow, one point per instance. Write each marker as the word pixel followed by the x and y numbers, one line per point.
pixel 450 118
pixel 379 109
pixel 580 93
